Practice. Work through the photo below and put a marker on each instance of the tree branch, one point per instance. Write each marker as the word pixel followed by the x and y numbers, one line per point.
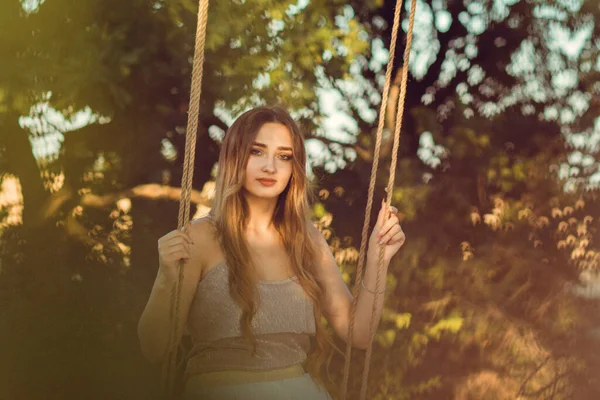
pixel 21 162
pixel 152 191
pixel 531 375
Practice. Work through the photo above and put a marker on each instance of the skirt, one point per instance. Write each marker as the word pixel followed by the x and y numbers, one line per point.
pixel 285 384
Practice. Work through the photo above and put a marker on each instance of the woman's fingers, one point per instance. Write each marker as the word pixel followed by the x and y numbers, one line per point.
pixel 392 232
pixel 382 213
pixel 176 248
pixel 399 237
pixel 173 247
pixel 177 236
pixel 178 254
pixel 389 224
pixel 175 242
pixel 167 247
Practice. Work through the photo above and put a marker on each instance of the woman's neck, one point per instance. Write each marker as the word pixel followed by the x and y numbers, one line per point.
pixel 260 216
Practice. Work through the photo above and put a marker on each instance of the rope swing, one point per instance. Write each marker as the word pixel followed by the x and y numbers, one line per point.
pixel 170 366
pixel 389 190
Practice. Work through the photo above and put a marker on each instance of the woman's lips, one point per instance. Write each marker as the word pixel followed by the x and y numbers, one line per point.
pixel 267 182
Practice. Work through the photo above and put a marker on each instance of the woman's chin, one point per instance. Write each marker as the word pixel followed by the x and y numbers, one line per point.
pixel 264 193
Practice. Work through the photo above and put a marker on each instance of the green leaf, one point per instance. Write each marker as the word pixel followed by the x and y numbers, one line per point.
pixel 319 210
pixel 403 320
pixel 451 324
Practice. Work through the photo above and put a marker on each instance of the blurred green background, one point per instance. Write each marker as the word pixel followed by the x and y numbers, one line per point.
pixel 495 294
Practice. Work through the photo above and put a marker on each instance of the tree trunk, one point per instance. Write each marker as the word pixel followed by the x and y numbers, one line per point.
pixel 22 163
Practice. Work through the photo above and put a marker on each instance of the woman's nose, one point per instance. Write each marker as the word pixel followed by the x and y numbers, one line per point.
pixel 269 166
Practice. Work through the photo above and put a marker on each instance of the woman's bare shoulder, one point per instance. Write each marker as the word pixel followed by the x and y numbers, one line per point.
pixel 202 230
pixel 317 237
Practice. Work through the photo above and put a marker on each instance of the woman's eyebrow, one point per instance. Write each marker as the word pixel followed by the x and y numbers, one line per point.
pixel 264 146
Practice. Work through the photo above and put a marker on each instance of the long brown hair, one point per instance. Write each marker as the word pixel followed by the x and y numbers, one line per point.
pixel 292 219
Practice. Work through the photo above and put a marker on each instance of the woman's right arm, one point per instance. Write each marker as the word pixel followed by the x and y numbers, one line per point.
pixel 155 324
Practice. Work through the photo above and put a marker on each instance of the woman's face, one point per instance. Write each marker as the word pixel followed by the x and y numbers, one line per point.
pixel 269 167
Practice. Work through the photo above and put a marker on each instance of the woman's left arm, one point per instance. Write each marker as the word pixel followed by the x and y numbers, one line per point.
pixel 338 299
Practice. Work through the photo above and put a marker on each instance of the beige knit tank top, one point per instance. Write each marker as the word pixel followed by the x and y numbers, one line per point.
pixel 283 325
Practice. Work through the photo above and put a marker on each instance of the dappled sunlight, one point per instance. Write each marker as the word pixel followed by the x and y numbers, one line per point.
pixel 11 201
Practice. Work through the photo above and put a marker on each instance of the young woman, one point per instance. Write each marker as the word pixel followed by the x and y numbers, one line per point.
pixel 258 275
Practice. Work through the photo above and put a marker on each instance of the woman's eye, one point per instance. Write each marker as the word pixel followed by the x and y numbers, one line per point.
pixel 258 152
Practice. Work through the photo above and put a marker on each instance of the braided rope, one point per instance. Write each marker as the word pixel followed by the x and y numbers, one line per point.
pixel 170 367
pixel 390 186
pixel 397 131
pixel 365 230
